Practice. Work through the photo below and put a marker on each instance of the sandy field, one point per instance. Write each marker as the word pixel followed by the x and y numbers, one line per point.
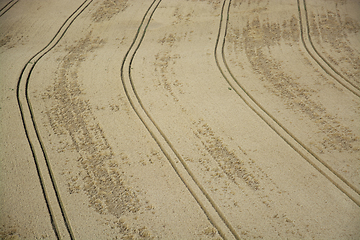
pixel 180 119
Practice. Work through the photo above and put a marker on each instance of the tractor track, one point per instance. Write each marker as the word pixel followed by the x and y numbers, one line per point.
pixel 57 212
pixel 7 7
pixel 327 171
pixel 58 217
pixel 207 204
pixel 316 56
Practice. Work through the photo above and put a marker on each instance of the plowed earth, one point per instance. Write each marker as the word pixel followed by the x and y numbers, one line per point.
pixel 180 119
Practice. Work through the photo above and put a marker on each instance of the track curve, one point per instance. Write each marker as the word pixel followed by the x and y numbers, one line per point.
pixel 132 127
pixel 57 212
pixel 326 170
pixel 316 56
pixel 213 212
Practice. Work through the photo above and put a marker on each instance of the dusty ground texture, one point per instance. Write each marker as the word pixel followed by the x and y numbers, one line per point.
pixel 191 119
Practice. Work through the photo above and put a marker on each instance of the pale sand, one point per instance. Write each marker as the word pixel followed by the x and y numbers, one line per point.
pixel 181 137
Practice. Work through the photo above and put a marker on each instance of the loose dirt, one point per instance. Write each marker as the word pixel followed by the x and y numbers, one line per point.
pixel 179 119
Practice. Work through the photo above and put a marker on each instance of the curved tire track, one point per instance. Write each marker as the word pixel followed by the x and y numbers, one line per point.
pixel 333 176
pixel 207 204
pixel 56 209
pixel 7 7
pixel 316 56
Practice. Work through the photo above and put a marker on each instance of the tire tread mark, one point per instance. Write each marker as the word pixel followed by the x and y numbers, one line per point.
pixel 156 139
pixel 347 84
pixel 302 150
pixel 54 41
pixel 6 8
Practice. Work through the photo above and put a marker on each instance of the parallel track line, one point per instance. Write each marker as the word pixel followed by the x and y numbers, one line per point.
pixel 333 176
pixel 316 56
pixel 32 133
pixel 7 7
pixel 207 204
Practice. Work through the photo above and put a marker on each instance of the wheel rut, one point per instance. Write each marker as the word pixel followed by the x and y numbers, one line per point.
pixel 7 7
pixel 59 220
pixel 311 157
pixel 104 184
pixel 315 54
pixel 213 212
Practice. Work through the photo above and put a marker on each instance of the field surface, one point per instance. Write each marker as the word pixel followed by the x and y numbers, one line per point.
pixel 180 119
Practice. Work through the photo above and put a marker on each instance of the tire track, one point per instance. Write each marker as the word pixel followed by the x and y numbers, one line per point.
pixel 314 53
pixel 56 209
pixel 207 204
pixel 333 176
pixel 7 7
